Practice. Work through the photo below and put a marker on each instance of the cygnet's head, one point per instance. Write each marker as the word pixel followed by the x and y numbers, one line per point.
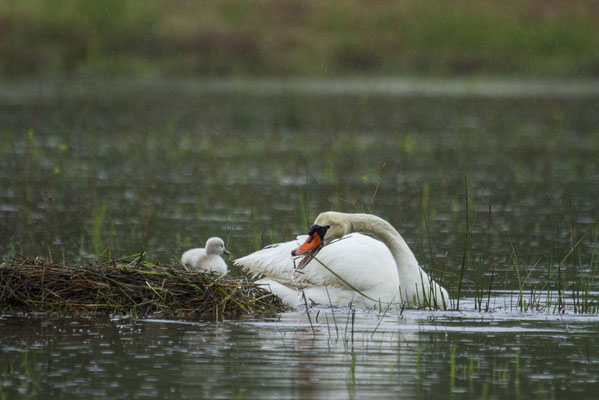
pixel 327 227
pixel 215 245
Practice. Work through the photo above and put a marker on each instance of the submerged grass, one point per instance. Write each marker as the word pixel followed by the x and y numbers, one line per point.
pixel 125 286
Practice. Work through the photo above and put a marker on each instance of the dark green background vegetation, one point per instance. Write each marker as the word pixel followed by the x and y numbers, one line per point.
pixel 298 37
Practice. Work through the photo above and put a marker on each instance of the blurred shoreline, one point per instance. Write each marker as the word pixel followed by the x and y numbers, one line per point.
pixel 479 87
pixel 289 38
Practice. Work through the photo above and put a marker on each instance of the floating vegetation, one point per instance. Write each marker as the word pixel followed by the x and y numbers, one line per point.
pixel 133 287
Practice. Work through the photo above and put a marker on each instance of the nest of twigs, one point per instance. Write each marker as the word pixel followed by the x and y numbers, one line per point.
pixel 119 287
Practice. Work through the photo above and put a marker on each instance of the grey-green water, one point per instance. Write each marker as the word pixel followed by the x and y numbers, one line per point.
pixel 339 356
pixel 161 166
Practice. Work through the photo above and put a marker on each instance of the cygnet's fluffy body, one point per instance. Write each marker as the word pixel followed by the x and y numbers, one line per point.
pixel 207 259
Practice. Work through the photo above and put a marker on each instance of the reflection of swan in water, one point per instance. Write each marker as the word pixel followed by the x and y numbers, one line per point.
pixel 359 269
pixel 386 348
pixel 208 259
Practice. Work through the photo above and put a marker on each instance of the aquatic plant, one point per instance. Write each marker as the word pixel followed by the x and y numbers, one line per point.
pixel 96 234
pixel 569 284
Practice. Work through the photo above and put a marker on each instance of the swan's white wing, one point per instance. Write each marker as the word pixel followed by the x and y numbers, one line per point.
pixel 363 262
pixel 274 261
pixel 358 259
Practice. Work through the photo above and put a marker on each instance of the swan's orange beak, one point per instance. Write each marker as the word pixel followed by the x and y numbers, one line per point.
pixel 311 243
pixel 311 246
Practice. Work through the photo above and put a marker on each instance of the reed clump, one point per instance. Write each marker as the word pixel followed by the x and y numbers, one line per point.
pixel 135 288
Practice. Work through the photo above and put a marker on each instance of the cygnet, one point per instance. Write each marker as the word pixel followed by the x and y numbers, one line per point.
pixel 208 259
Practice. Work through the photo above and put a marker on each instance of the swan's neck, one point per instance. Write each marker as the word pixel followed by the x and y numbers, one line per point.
pixel 383 231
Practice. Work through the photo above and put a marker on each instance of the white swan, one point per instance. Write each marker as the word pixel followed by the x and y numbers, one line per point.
pixel 208 259
pixel 376 272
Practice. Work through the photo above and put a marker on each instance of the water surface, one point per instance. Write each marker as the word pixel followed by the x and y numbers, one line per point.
pixel 499 180
pixel 333 354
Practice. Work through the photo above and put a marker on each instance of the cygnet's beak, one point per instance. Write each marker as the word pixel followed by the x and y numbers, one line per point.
pixel 227 252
